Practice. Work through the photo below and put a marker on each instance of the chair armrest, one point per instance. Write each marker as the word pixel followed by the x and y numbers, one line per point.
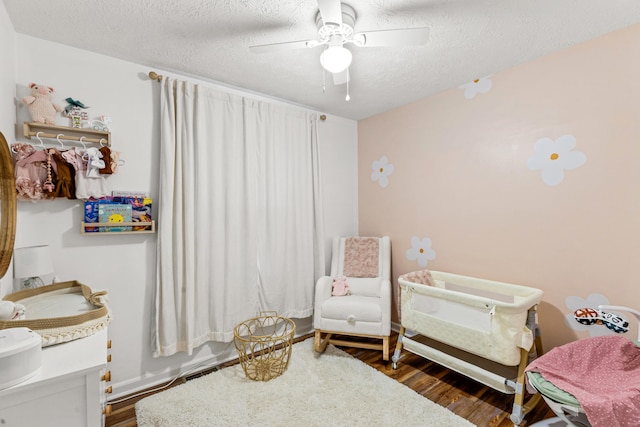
pixel 385 305
pixel 323 288
pixel 385 289
pixel 323 293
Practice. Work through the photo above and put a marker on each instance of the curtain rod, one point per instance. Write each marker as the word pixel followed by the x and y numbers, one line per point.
pixel 155 76
pixel 158 77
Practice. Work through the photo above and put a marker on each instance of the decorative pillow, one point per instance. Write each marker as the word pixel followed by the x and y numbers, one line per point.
pixel 361 256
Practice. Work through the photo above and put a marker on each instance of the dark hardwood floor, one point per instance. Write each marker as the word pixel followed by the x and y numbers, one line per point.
pixel 480 404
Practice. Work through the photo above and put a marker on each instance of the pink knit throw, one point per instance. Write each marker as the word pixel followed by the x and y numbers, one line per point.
pixel 361 256
pixel 602 373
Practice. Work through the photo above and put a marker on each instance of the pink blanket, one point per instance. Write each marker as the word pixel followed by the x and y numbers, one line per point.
pixel 361 257
pixel 603 373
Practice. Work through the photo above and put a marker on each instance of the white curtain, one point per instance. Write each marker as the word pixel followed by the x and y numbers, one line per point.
pixel 239 219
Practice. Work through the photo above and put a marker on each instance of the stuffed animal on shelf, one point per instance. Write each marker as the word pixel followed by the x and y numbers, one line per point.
pixel 40 106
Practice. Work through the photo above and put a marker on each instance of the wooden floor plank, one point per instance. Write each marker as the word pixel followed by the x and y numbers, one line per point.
pixel 481 405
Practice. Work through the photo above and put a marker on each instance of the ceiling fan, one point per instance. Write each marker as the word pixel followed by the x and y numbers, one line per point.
pixel 336 22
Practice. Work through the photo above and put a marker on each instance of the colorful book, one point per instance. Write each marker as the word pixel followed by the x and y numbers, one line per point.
pixel 91 214
pixel 141 212
pixel 114 213
pixel 141 208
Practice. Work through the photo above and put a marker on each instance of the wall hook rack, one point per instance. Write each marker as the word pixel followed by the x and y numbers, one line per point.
pixel 32 129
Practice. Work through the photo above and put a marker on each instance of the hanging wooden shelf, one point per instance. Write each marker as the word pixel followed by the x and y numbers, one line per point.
pixel 66 133
pixel 84 225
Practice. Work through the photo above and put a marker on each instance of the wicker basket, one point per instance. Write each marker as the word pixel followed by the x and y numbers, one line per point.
pixel 79 312
pixel 264 345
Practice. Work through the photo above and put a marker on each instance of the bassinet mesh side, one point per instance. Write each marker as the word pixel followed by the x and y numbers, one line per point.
pixel 495 330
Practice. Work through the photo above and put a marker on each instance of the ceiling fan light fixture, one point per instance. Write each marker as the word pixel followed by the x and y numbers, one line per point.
pixel 336 59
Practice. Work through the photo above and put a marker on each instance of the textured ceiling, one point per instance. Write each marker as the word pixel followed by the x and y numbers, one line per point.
pixel 469 39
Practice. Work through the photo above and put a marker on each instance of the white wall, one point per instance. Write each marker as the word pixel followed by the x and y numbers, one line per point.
pixel 7 95
pixel 124 265
pixel 7 86
pixel 339 160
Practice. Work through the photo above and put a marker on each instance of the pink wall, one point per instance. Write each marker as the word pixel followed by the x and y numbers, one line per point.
pixel 461 178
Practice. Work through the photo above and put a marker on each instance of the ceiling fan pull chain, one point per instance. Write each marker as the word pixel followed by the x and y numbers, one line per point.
pixel 347 98
pixel 324 86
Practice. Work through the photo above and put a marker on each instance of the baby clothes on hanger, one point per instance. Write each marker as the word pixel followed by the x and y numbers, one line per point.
pixel 94 162
pixel 65 185
pixel 86 187
pixel 106 156
pixel 115 161
pixel 30 172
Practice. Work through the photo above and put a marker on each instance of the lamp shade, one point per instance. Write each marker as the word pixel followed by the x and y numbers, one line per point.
pixel 335 59
pixel 32 261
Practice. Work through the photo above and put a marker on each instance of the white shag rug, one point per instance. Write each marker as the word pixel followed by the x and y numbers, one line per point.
pixel 328 389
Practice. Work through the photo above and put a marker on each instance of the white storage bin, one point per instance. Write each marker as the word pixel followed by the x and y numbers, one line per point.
pixel 20 355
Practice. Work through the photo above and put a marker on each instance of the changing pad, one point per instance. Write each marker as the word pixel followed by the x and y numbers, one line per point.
pixel 61 312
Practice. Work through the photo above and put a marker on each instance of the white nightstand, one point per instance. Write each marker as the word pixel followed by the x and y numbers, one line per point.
pixel 69 389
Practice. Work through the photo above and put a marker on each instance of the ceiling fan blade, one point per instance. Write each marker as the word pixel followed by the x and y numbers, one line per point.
pixel 263 48
pixel 331 11
pixel 402 37
pixel 341 77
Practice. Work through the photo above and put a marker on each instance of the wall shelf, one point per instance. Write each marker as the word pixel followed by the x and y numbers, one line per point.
pixel 84 225
pixel 67 133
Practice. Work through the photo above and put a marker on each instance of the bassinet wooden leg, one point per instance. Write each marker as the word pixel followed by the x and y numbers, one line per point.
pixel 396 353
pixel 537 352
pixel 520 409
pixel 517 414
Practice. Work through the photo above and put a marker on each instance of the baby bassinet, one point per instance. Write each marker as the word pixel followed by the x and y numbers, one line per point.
pixel 483 329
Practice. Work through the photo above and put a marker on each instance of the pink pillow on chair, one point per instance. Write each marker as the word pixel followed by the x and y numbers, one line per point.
pixel 361 256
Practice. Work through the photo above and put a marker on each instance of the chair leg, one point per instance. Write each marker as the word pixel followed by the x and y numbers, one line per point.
pixel 318 344
pixel 385 349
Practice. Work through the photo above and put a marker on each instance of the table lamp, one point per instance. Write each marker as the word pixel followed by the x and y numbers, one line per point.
pixel 31 262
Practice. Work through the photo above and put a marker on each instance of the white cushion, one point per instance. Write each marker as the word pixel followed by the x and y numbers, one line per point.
pixel 352 308
pixel 365 286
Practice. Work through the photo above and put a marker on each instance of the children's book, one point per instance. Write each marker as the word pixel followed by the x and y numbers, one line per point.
pixel 115 213
pixel 141 211
pixel 91 212
pixel 121 193
pixel 141 208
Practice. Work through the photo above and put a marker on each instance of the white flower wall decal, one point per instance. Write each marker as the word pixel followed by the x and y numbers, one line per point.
pixel 593 301
pixel 553 157
pixel 421 250
pixel 477 86
pixel 381 169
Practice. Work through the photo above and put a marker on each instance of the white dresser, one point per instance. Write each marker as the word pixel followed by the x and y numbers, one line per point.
pixel 69 390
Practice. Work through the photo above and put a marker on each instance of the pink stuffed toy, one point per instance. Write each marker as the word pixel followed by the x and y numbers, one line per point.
pixel 40 106
pixel 340 286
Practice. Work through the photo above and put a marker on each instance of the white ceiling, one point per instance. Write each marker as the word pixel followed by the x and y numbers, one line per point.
pixel 469 39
